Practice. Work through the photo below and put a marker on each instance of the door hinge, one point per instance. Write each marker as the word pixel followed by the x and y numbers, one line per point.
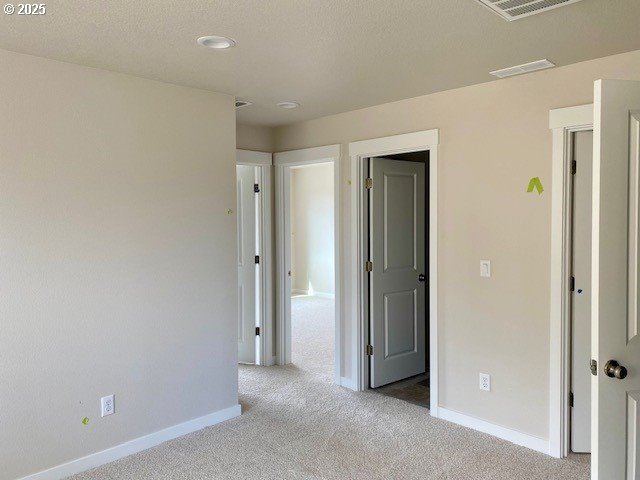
pixel 368 266
pixel 256 188
pixel 571 399
pixel 257 330
pixel 572 283
pixel 368 183
pixel 594 367
pixel 369 350
pixel 257 259
pixel 574 167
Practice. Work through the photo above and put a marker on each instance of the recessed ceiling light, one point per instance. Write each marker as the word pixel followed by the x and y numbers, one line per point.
pixel 288 105
pixel 213 41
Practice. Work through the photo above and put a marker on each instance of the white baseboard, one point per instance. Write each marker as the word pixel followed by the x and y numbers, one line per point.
pixel 296 291
pixel 513 436
pixel 348 383
pixel 324 295
pixel 134 446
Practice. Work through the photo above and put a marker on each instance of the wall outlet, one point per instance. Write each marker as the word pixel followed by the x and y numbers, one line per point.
pixel 485 382
pixel 485 268
pixel 108 405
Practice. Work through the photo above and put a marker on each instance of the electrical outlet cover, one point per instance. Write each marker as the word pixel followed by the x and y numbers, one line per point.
pixel 485 382
pixel 107 405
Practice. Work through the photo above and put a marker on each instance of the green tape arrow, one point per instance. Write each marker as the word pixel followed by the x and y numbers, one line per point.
pixel 535 183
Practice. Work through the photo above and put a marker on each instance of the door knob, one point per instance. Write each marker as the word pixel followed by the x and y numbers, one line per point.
pixel 614 370
pixel 421 277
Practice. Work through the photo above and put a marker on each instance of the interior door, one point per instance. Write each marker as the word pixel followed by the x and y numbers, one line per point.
pixel 247 312
pixel 397 252
pixel 615 320
pixel 581 295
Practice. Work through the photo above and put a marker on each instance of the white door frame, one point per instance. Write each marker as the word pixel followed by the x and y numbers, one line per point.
pixel 563 122
pixel 264 163
pixel 283 162
pixel 359 152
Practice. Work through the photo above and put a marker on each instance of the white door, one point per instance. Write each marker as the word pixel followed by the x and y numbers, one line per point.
pixel 247 312
pixel 581 295
pixel 397 251
pixel 615 314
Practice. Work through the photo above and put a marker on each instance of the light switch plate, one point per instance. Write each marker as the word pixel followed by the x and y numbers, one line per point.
pixel 485 268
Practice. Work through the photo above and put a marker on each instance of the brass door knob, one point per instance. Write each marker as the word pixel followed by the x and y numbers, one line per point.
pixel 614 370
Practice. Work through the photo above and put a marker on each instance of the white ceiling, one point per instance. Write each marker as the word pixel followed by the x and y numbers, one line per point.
pixel 330 55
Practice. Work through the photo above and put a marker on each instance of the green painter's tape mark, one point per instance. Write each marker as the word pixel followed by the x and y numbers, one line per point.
pixel 85 421
pixel 535 183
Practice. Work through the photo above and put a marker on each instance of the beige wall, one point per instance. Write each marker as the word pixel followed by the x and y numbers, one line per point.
pixel 117 258
pixel 494 138
pixel 256 138
pixel 312 227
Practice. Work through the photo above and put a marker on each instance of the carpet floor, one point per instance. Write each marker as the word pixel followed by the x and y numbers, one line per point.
pixel 297 424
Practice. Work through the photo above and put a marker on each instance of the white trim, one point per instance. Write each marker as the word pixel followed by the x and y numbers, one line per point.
pixel 283 162
pixel 571 116
pixel 324 295
pixel 513 436
pixel 563 122
pixel 134 446
pixel 263 161
pixel 298 291
pixel 415 141
pixel 359 151
pixel 249 157
pixel 307 155
pixel 348 383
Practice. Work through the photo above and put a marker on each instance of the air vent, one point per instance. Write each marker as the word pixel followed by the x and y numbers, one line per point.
pixel 242 103
pixel 524 68
pixel 515 9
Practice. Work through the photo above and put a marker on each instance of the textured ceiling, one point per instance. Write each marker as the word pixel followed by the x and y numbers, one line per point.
pixel 329 55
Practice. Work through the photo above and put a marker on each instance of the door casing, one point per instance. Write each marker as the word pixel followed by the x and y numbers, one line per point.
pixel 563 122
pixel 283 163
pixel 359 152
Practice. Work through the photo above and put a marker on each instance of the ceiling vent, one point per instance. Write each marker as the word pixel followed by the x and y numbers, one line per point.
pixel 242 103
pixel 515 9
pixel 524 68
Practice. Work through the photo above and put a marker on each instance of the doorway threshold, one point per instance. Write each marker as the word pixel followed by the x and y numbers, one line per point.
pixel 413 390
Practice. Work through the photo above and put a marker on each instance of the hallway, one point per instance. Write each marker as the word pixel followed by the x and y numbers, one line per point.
pixel 297 424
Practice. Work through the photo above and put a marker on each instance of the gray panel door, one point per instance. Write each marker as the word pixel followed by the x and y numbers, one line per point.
pixel 246 217
pixel 397 251
pixel 581 297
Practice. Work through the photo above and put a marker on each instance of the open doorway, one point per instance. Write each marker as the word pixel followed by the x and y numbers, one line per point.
pixel 397 204
pixel 311 198
pixel 308 320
